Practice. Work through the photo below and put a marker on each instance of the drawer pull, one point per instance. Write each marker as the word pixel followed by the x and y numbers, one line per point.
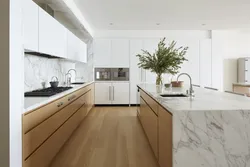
pixel 60 104
pixel 71 97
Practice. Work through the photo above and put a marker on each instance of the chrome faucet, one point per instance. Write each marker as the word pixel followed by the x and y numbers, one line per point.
pixel 68 80
pixel 190 92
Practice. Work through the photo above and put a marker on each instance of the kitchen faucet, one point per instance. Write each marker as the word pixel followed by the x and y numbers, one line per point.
pixel 190 92
pixel 69 78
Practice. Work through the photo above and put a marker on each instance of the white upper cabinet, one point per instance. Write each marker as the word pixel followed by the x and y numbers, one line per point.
pixel 52 35
pixel 73 46
pixel 120 53
pixel 83 52
pixel 206 62
pixel 102 52
pixel 30 25
pixel 111 53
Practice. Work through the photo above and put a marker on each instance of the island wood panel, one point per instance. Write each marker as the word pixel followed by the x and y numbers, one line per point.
pixel 165 138
pixel 34 138
pixel 150 125
pixel 152 103
pixel 34 118
pixel 43 156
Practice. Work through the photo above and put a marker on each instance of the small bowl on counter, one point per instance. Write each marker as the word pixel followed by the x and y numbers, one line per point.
pixel 168 85
pixel 177 84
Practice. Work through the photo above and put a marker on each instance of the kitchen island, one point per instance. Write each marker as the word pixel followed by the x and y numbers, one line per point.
pixel 212 129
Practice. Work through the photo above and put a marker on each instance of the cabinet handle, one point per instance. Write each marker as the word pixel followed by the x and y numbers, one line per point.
pixel 113 93
pixel 60 104
pixel 71 97
pixel 109 93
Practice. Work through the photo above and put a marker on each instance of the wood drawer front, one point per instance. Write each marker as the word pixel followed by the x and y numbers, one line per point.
pixel 165 138
pixel 43 156
pixel 150 125
pixel 34 118
pixel 153 104
pixel 34 138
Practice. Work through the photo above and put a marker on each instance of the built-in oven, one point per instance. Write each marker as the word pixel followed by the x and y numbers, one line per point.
pixel 103 74
pixel 120 74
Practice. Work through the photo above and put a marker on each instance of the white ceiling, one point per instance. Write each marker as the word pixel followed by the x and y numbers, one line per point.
pixel 171 14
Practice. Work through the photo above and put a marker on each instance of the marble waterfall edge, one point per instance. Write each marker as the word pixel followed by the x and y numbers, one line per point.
pixel 211 138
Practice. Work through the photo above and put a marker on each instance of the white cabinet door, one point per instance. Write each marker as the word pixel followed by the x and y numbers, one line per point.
pixel 102 53
pixel 120 93
pixel 73 47
pixel 151 45
pixel 52 35
pixel 120 53
pixel 247 70
pixel 206 63
pixel 103 93
pixel 136 74
pixel 83 52
pixel 30 25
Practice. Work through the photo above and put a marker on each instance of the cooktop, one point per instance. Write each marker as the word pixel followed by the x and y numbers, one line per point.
pixel 47 92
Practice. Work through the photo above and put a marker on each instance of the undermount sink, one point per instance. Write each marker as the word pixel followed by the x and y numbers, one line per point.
pixel 173 95
pixel 77 83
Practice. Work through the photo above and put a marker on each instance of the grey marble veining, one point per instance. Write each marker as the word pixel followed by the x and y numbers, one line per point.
pixel 39 69
pixel 212 130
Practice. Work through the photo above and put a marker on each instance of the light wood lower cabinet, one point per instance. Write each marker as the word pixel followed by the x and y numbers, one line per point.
pixel 165 138
pixel 149 121
pixel 44 133
pixel 36 136
pixel 44 155
pixel 158 128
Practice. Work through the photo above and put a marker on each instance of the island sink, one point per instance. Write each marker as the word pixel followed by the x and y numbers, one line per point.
pixel 173 95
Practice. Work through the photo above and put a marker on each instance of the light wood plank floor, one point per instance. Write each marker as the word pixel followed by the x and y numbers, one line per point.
pixel 107 137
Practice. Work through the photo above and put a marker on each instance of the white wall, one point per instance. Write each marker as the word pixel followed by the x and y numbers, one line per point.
pixel 16 81
pixel 229 45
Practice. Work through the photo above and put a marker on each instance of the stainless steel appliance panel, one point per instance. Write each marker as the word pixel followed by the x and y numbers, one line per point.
pixel 103 74
pixel 120 74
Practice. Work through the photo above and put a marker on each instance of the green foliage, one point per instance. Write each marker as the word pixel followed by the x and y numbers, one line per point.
pixel 166 59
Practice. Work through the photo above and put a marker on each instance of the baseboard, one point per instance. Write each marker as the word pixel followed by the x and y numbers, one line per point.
pixel 111 105
pixel 134 105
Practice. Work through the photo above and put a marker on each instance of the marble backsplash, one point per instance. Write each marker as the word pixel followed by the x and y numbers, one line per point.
pixel 40 69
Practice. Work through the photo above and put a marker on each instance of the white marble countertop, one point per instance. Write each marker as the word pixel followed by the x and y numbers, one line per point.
pixel 31 103
pixel 204 100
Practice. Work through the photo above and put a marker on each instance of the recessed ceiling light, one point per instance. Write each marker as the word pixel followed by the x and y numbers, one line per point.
pixel 158 24
pixel 203 24
pixel 111 24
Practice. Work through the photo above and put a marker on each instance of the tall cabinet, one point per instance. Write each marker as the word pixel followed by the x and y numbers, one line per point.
pixel 137 74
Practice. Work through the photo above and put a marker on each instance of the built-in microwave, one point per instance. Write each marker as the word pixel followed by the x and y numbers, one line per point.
pixel 120 74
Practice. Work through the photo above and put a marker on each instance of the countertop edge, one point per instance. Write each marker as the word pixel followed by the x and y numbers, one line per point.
pixel 53 98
